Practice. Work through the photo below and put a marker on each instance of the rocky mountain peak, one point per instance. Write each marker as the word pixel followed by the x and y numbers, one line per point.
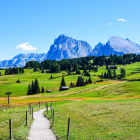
pixel 62 38
pixel 65 47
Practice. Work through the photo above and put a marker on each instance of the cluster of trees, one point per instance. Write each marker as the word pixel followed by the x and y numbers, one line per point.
pixel 34 88
pixel 82 63
pixel 80 81
pixel 14 71
pixel 111 74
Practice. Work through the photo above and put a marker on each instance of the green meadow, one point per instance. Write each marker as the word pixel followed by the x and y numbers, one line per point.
pixel 107 109
pixel 97 120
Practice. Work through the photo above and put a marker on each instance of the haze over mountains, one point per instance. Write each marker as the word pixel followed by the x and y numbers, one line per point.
pixel 65 47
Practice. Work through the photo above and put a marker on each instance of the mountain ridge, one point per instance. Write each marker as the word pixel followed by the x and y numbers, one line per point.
pixel 115 45
pixel 65 47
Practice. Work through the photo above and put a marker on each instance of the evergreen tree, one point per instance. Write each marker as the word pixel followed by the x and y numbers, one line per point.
pixel 86 81
pixel 6 71
pixel 29 92
pixel 71 84
pixel 123 73
pixel 114 74
pixel 80 81
pixel 89 80
pixel 18 71
pixel 63 82
pixel 51 77
pixel 18 81
pixel 105 75
pixel 37 89
pixel 109 73
pixel 33 87
pixel 22 70
pixel 42 90
pixel 102 75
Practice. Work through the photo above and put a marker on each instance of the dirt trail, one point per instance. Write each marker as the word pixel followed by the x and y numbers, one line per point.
pixel 45 98
pixel 40 129
pixel 91 89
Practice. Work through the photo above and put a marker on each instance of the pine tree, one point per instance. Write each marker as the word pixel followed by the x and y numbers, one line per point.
pixel 33 87
pixel 89 80
pixel 105 75
pixel 6 71
pixel 102 75
pixel 80 81
pixel 42 90
pixel 29 92
pixel 18 81
pixel 109 73
pixel 37 89
pixel 18 71
pixel 51 77
pixel 22 70
pixel 86 81
pixel 63 82
pixel 114 74
pixel 123 73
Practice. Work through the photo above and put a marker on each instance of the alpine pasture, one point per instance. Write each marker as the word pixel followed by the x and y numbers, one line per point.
pixel 105 109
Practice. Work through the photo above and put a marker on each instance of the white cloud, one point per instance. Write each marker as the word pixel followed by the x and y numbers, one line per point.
pixel 25 47
pixel 109 23
pixel 121 19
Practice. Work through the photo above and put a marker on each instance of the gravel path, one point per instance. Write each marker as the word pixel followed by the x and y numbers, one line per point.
pixel 40 129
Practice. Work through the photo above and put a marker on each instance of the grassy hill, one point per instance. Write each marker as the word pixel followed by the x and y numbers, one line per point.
pixel 105 110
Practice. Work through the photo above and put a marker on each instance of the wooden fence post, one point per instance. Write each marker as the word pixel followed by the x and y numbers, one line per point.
pixel 10 128
pixel 32 112
pixel 39 104
pixel 26 118
pixel 47 108
pixel 51 111
pixel 68 129
pixel 53 119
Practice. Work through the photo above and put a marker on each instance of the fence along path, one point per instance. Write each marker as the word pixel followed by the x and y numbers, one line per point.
pixel 40 129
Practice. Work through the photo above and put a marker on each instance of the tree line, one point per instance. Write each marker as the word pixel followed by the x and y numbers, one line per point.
pixel 111 74
pixel 83 63
pixel 14 70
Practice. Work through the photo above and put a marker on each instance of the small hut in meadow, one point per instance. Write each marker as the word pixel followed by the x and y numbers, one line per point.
pixel 64 88
pixel 48 91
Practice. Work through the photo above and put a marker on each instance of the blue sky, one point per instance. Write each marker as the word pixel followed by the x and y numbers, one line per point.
pixel 30 26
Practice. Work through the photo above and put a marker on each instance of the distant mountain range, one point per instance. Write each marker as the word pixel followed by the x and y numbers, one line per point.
pixel 65 47
pixel 115 45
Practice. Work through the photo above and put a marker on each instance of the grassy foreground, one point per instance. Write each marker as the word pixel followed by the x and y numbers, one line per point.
pixel 97 120
pixel 18 116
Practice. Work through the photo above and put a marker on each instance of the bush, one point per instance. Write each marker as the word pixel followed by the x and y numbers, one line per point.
pixel 18 81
